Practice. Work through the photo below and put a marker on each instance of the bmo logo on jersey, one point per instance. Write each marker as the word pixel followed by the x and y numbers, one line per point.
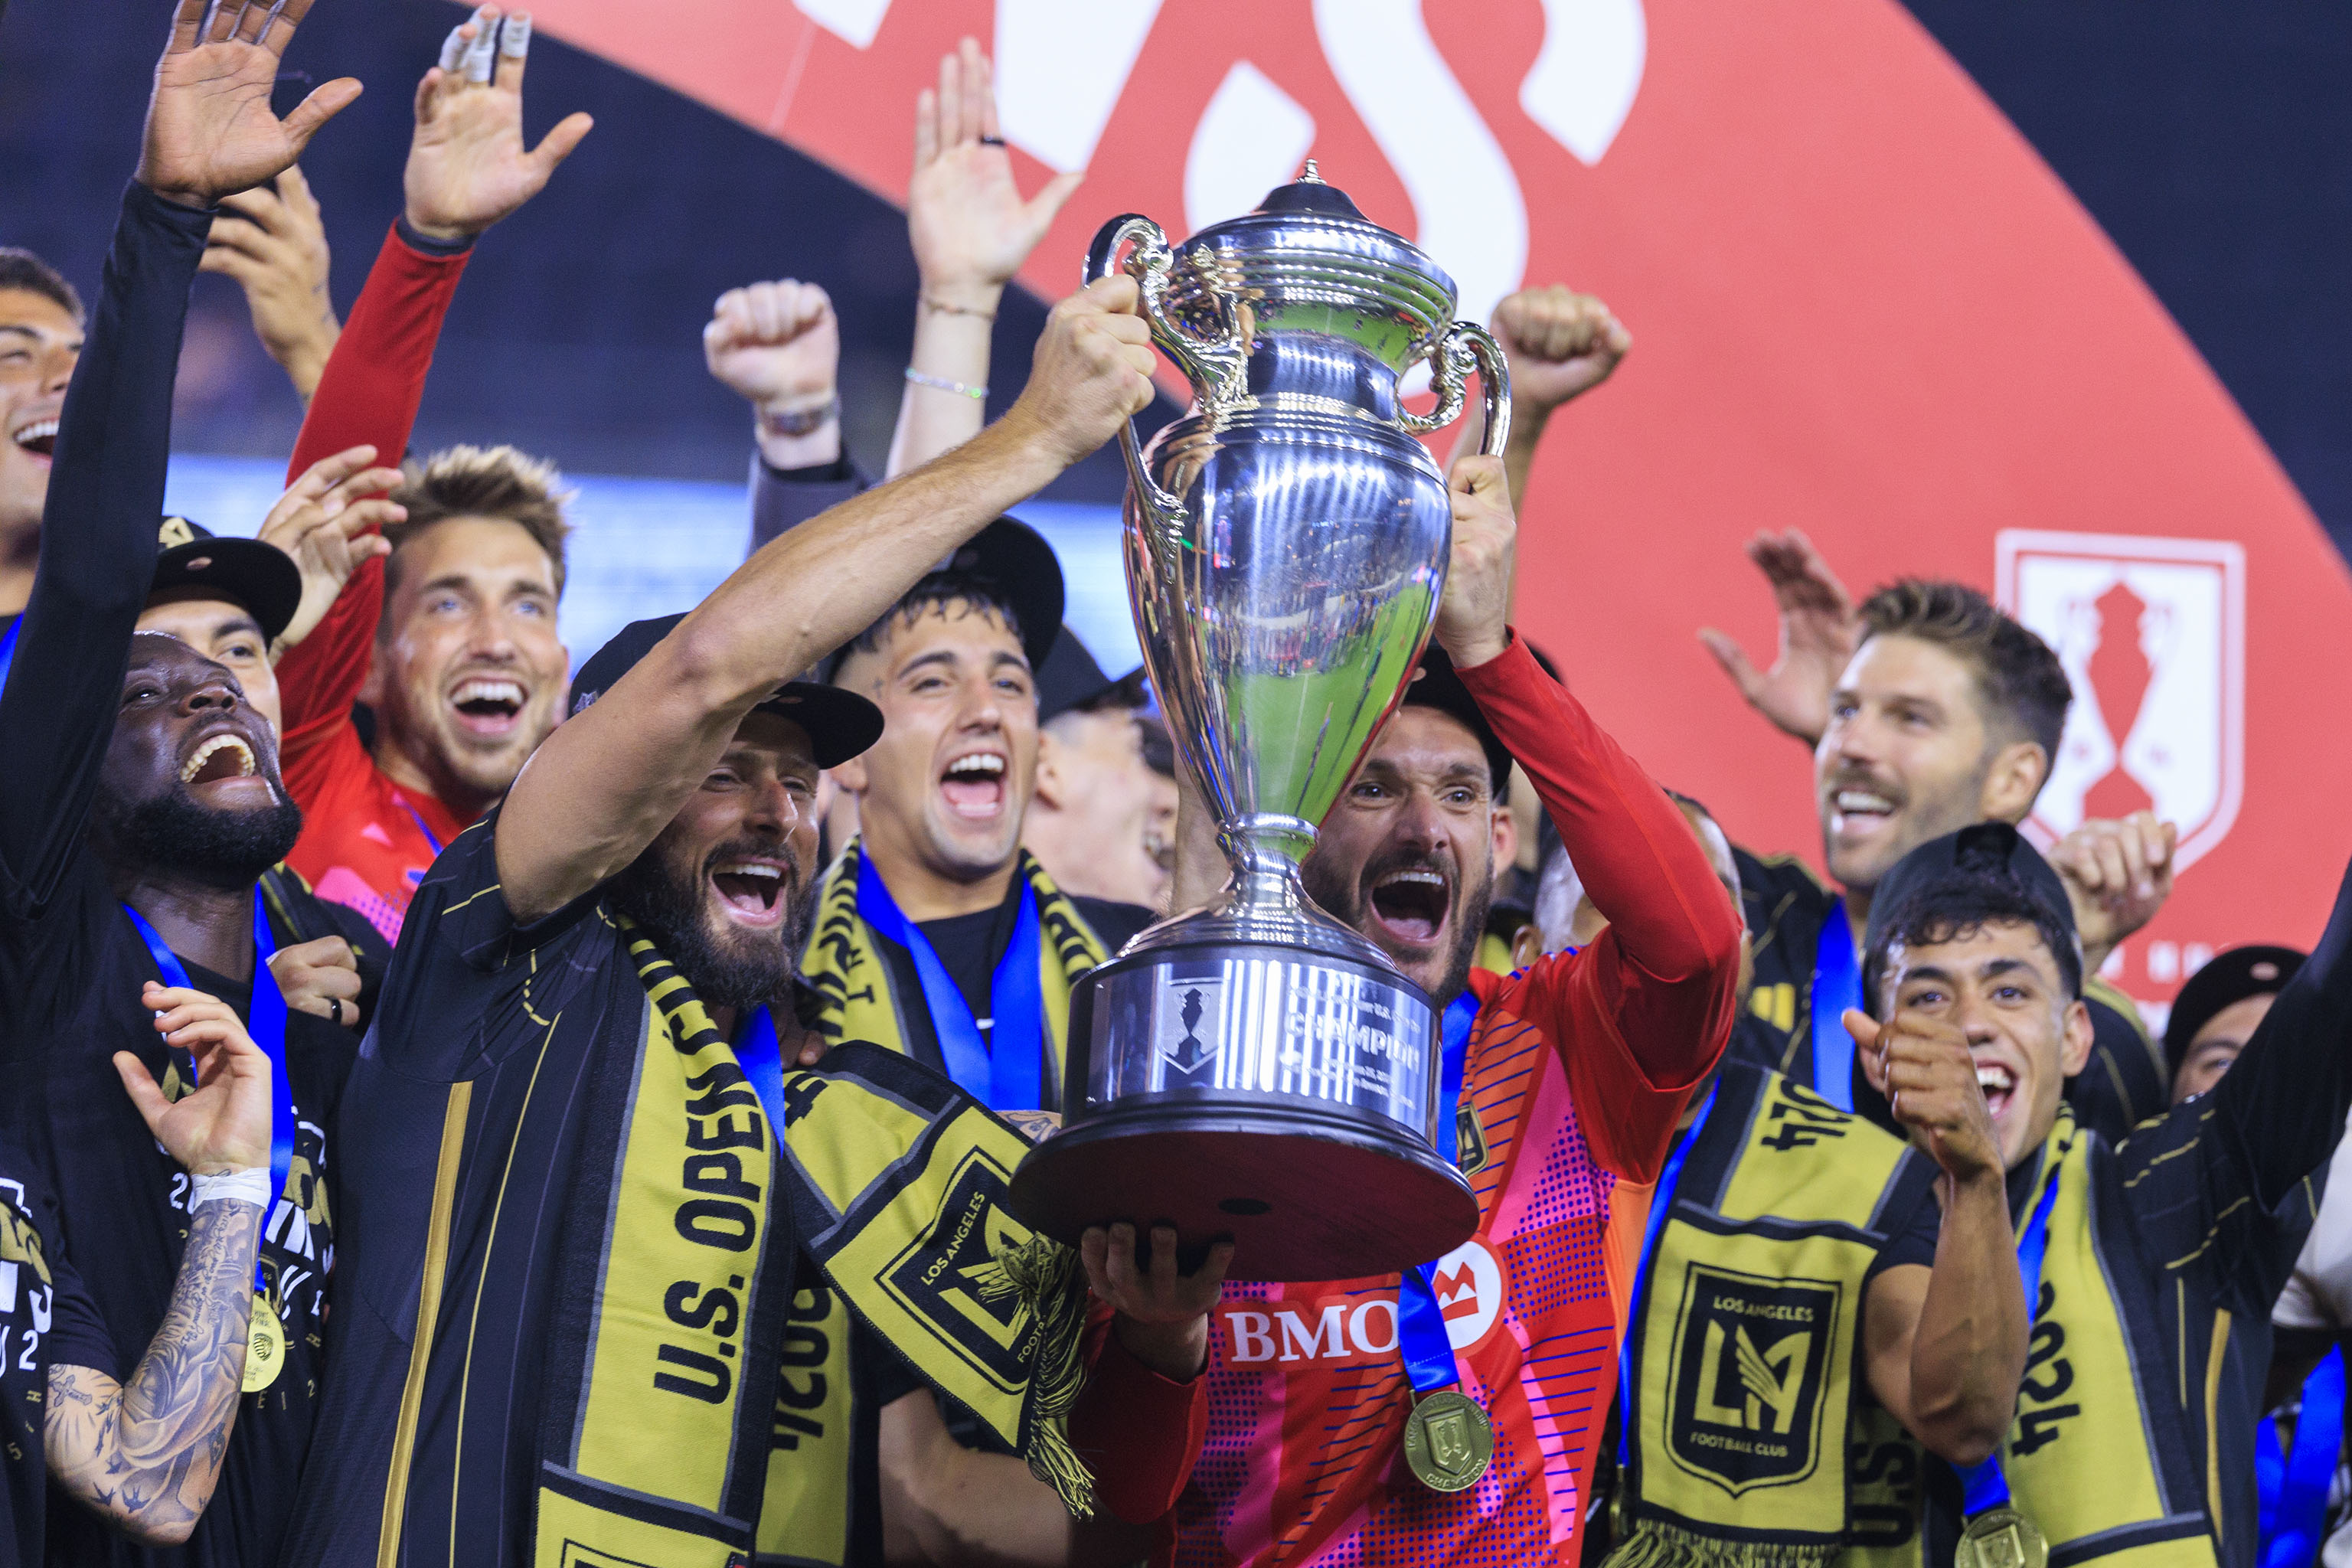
pixel 2152 632
pixel 1361 1326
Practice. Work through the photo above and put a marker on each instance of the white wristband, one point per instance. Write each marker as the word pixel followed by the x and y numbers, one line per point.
pixel 250 1185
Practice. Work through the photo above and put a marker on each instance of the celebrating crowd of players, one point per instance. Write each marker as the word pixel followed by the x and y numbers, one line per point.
pixel 464 1108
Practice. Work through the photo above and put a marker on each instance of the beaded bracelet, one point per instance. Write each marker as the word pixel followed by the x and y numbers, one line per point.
pixel 944 385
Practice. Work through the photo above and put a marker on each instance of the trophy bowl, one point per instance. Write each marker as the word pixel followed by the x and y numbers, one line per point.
pixel 1255 1069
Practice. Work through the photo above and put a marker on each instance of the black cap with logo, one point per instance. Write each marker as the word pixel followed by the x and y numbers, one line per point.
pixel 261 577
pixel 2227 980
pixel 840 724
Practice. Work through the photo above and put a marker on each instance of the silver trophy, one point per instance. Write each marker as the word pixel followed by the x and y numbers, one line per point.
pixel 1256 1069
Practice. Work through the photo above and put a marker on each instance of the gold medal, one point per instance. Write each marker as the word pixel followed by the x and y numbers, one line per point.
pixel 2001 1537
pixel 264 1350
pixel 1448 1441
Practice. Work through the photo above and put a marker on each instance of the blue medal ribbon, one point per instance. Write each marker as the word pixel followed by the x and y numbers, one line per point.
pixel 8 649
pixel 265 1022
pixel 1420 1323
pixel 2293 1483
pixel 1662 1203
pixel 1837 985
pixel 762 1057
pixel 417 817
pixel 1009 1079
pixel 1985 1486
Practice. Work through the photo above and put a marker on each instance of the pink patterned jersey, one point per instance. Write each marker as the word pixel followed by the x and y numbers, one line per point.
pixel 1306 1390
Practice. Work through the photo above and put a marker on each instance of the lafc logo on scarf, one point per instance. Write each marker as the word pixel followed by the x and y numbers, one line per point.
pixel 951 1281
pixel 1750 1359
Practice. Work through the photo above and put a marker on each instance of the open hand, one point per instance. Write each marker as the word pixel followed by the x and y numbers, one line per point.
pixel 970 229
pixel 328 523
pixel 467 167
pixel 1560 345
pixel 1922 1065
pixel 1819 632
pixel 272 240
pixel 1474 618
pixel 2117 872
pixel 223 1124
pixel 210 131
pixel 1091 372
pixel 320 977
pixel 1163 1316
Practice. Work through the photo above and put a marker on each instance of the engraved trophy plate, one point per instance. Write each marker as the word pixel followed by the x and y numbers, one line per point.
pixel 1255 1068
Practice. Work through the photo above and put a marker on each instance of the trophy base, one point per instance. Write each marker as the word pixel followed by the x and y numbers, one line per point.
pixel 1277 1095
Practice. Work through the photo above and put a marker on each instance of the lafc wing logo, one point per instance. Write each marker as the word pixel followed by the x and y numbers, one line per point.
pixel 950 1278
pixel 1748 1382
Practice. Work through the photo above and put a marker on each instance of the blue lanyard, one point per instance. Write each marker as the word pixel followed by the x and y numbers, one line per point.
pixel 1837 985
pixel 1420 1323
pixel 1009 1079
pixel 1985 1486
pixel 1662 1203
pixel 1453 1030
pixel 417 817
pixel 2293 1485
pixel 8 649
pixel 758 1053
pixel 265 1022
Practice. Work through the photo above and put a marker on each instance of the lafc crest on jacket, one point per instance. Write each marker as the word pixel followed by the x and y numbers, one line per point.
pixel 1744 1351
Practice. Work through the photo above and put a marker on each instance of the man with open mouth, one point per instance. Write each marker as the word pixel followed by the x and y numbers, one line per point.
pixel 450 638
pixel 2150 1268
pixel 573 1325
pixel 145 813
pixel 1571 1076
pixel 1927 709
pixel 40 340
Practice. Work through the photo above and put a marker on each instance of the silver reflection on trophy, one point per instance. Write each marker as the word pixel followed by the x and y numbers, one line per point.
pixel 1286 542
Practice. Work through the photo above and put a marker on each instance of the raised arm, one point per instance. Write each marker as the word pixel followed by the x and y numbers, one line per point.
pixel 1664 970
pixel 610 779
pixel 146 1454
pixel 2286 1097
pixel 1944 1346
pixel 209 132
pixel 272 240
pixel 970 232
pixel 468 169
pixel 1819 632
pixel 1560 345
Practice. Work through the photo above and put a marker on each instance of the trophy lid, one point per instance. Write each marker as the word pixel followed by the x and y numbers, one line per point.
pixel 1307 243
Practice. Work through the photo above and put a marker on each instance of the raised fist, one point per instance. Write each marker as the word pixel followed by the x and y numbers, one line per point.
pixel 1560 344
pixel 774 344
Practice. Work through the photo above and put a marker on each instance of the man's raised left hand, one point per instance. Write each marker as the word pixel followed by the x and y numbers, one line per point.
pixel 467 167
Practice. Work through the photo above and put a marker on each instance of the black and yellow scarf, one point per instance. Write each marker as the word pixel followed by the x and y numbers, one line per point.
pixel 855 986
pixel 659 1447
pixel 1745 1354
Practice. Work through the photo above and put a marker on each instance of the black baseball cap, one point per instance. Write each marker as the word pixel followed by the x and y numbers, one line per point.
pixel 261 577
pixel 1993 849
pixel 1070 681
pixel 1013 561
pixel 1437 684
pixel 840 723
pixel 2229 979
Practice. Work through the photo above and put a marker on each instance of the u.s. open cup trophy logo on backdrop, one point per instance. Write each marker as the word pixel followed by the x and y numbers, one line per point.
pixel 2152 632
pixel 1255 1068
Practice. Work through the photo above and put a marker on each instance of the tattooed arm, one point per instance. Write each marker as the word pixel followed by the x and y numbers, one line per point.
pixel 146 1455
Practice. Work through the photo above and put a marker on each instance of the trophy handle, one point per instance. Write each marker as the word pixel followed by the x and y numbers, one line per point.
pixel 1150 268
pixel 1459 347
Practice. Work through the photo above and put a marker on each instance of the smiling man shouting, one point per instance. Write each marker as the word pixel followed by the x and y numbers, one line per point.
pixel 144 808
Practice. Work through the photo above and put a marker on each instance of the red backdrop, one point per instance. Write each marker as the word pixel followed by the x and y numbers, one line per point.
pixel 1862 304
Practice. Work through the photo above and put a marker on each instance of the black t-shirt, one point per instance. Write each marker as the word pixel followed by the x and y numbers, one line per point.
pixel 46 1319
pixel 69 999
pixel 969 948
